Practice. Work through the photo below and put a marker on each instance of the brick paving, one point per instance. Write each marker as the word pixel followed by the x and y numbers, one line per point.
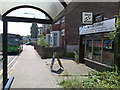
pixel 70 66
pixel 30 71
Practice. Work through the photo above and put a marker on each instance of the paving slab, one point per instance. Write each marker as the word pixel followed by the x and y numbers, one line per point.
pixel 71 68
pixel 30 71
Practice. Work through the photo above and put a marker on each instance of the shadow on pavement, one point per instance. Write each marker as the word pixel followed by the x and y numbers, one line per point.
pixel 14 53
pixel 59 71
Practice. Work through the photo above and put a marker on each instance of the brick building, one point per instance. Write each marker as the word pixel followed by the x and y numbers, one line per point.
pixel 68 26
pixel 73 19
pixel 70 23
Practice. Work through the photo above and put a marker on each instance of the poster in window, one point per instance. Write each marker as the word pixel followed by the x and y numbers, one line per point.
pixel 108 44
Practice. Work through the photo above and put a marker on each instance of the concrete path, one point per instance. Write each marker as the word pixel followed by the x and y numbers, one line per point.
pixel 30 71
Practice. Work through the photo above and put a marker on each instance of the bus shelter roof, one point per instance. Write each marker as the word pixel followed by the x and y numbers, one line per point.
pixel 53 9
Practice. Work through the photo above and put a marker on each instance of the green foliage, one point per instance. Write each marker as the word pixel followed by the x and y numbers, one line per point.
pixel 115 35
pixel 69 55
pixel 76 57
pixel 42 41
pixel 34 30
pixel 96 79
pixel 65 73
pixel 71 83
pixel 105 79
pixel 51 54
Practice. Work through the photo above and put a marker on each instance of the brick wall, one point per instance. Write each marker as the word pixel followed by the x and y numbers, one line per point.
pixel 44 52
pixel 73 18
pixel 55 27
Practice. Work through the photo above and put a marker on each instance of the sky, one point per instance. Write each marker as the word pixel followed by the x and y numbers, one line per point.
pixel 19 27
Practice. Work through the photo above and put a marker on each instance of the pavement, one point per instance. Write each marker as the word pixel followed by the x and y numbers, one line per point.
pixel 30 71
pixel 71 68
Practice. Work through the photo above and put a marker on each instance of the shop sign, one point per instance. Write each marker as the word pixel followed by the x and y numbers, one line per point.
pixel 87 18
pixel 98 17
pixel 104 26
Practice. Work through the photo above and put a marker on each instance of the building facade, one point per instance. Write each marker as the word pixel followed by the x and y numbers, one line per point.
pixel 88 45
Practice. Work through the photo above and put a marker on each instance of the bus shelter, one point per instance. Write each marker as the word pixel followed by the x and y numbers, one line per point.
pixel 53 10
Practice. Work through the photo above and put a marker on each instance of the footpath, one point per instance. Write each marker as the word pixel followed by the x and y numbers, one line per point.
pixel 71 68
pixel 30 71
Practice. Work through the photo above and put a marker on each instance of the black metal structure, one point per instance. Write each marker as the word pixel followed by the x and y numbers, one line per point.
pixel 7 19
pixel 28 20
pixel 27 6
pixel 5 25
pixel 7 86
pixel 63 3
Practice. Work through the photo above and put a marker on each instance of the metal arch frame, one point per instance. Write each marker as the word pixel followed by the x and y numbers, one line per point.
pixel 5 20
pixel 28 20
pixel 27 6
pixel 63 3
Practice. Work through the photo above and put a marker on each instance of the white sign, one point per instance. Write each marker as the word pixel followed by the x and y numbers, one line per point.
pixel 104 26
pixel 87 18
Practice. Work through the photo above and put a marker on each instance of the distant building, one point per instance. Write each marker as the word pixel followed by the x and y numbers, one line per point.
pixel 40 31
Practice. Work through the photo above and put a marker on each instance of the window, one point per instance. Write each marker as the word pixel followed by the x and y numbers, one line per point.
pixel 63 32
pixel 55 38
pixel 108 52
pixel 89 49
pixel 63 19
pixel 97 46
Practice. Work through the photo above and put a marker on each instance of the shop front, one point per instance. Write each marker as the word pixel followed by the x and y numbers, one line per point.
pixel 98 45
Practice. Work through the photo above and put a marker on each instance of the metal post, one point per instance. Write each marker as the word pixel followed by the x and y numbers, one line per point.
pixel 5 25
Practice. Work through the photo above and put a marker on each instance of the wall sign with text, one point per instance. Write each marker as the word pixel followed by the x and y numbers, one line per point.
pixel 104 26
pixel 87 18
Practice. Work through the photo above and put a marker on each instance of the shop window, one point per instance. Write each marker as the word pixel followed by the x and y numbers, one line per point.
pixel 108 52
pixel 97 47
pixel 89 49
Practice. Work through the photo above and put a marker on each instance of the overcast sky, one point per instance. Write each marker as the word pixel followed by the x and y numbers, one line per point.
pixel 20 28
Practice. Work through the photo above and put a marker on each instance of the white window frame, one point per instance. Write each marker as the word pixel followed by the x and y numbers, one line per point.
pixel 52 38
pixel 63 32
pixel 63 19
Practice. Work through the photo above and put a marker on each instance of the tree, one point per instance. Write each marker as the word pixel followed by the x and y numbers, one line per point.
pixel 116 37
pixel 34 30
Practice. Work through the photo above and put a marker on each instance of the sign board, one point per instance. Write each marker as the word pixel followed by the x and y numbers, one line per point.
pixel 98 17
pixel 87 18
pixel 53 60
pixel 104 26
